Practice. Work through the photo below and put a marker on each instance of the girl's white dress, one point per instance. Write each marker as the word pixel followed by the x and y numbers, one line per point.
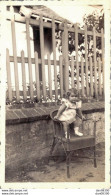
pixel 69 114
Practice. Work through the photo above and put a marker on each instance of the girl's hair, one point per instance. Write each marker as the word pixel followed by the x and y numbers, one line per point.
pixel 73 91
pixel 76 92
pixel 67 94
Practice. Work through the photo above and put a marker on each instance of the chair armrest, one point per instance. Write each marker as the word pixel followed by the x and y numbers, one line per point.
pixel 87 119
pixel 57 121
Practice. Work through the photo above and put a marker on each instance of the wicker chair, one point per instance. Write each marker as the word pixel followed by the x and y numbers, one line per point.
pixel 74 143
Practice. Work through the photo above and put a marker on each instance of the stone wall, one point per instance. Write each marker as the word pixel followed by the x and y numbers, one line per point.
pixel 27 142
pixel 30 141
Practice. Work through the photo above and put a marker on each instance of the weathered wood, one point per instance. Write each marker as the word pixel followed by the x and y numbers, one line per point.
pixel 15 58
pixel 49 77
pixel 82 76
pixel 39 61
pixel 33 60
pixel 65 64
pixel 100 73
pixel 8 76
pixel 72 72
pixel 28 93
pixel 65 57
pixel 61 76
pixel 23 75
pixel 102 47
pixel 34 22
pixel 29 58
pixel 76 49
pixel 37 76
pixel 42 56
pixel 54 58
pixel 95 63
pixel 86 61
pixel 91 76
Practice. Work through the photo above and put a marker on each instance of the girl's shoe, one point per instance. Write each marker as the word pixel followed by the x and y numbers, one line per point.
pixel 78 133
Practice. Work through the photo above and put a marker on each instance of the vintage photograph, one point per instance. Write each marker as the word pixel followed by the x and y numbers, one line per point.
pixel 55 93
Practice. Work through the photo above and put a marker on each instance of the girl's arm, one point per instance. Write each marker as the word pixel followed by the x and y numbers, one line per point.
pixel 60 111
pixel 79 113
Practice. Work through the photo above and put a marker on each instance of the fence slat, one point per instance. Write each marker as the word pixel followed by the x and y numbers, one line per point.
pixel 72 71
pixel 91 76
pixel 15 58
pixel 54 58
pixel 42 56
pixel 23 75
pixel 95 63
pixel 102 46
pixel 29 58
pixel 82 76
pixel 86 60
pixel 8 75
pixel 61 76
pixel 99 68
pixel 37 76
pixel 76 49
pixel 65 57
pixel 49 76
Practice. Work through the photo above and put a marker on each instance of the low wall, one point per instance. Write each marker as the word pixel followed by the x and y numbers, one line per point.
pixel 30 140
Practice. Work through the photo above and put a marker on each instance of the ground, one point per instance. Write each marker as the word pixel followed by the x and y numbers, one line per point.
pixel 81 169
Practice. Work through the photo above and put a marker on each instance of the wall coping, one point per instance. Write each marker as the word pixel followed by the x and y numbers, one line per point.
pixel 35 112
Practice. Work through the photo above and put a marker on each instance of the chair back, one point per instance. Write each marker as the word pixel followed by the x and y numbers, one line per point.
pixel 53 114
pixel 57 125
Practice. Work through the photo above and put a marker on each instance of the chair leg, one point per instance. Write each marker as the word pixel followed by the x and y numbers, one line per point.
pixel 68 163
pixel 95 164
pixel 53 145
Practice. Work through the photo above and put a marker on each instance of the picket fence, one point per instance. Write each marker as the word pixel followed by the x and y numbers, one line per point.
pixel 87 75
pixel 87 78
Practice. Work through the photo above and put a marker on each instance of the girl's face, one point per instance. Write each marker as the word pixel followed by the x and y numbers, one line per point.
pixel 72 97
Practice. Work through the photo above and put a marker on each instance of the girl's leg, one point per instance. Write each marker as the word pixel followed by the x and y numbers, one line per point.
pixel 65 126
pixel 76 129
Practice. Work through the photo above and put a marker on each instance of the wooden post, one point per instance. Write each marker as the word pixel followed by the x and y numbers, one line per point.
pixel 37 75
pixel 95 62
pixel 76 49
pixel 49 76
pixel 99 68
pixel 8 75
pixel 102 47
pixel 42 56
pixel 29 58
pixel 91 76
pixel 15 56
pixel 86 62
pixel 54 57
pixel 82 76
pixel 65 57
pixel 72 71
pixel 61 75
pixel 23 75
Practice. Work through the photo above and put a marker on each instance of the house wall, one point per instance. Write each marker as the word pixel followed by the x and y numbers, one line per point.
pixel 21 44
pixel 21 41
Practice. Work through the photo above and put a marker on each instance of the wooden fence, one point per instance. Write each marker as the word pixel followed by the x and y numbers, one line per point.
pixel 88 79
pixel 87 75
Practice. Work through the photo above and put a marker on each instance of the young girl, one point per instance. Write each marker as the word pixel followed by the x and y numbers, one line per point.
pixel 70 108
